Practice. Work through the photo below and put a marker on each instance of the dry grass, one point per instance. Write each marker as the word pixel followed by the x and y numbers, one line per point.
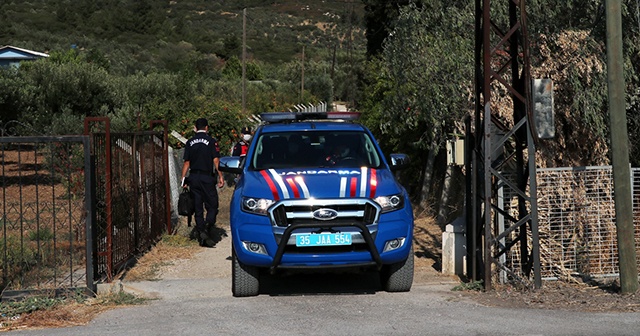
pixel 169 249
pixel 175 247
pixel 67 312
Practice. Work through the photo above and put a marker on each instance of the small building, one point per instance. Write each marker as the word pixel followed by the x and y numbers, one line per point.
pixel 12 56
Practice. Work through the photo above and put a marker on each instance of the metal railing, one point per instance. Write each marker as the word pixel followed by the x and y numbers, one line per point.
pixel 77 210
pixel 46 214
pixel 132 195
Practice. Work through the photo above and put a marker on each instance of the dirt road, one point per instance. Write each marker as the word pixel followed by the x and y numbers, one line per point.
pixel 194 298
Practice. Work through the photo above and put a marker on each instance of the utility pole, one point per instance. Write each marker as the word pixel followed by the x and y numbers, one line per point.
pixel 620 150
pixel 333 61
pixel 302 81
pixel 350 92
pixel 244 60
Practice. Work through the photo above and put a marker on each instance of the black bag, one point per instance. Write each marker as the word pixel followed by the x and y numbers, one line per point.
pixel 186 206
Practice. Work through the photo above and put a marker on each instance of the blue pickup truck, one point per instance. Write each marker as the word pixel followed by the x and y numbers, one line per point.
pixel 315 192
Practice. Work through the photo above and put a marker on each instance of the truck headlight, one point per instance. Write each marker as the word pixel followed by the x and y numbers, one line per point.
pixel 390 203
pixel 257 206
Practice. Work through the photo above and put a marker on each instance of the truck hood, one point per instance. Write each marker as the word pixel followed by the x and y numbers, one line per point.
pixel 280 184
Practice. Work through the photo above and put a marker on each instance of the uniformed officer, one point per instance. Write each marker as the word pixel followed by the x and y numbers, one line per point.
pixel 201 156
pixel 241 147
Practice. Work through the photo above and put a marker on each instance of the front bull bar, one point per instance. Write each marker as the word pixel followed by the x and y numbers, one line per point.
pixel 289 230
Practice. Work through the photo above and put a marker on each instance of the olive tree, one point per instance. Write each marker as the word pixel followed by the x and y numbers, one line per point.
pixel 423 80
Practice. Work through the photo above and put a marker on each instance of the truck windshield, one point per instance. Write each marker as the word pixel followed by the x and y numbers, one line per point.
pixel 316 149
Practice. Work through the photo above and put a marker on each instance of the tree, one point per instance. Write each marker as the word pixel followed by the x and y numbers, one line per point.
pixel 232 47
pixel 232 68
pixel 10 97
pixel 379 20
pixel 65 84
pixel 424 79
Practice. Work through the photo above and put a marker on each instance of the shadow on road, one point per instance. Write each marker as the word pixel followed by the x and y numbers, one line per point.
pixel 318 283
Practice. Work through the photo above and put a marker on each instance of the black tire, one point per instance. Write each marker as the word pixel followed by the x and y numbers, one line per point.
pixel 398 277
pixel 245 279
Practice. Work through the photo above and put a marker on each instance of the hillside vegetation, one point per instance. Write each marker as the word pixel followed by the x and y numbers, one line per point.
pixel 407 65
pixel 139 60
pixel 143 35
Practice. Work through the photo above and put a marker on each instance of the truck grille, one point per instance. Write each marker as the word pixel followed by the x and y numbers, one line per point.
pixel 348 212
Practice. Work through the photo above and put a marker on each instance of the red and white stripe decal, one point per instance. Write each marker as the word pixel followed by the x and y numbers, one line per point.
pixel 363 181
pixel 272 186
pixel 373 181
pixel 343 187
pixel 303 186
pixel 349 186
pixel 367 179
pixel 294 188
pixel 280 182
pixel 298 186
pixel 352 187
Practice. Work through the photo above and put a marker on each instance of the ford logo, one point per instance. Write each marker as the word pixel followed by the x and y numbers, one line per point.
pixel 325 214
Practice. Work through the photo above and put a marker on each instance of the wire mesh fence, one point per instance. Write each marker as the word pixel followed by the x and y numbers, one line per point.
pixel 576 221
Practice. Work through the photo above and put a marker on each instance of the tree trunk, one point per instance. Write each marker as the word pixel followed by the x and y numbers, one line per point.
pixel 427 182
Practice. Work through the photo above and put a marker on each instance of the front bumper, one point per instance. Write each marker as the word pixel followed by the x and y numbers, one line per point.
pixel 281 252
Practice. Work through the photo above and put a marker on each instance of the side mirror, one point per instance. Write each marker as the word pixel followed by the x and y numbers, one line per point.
pixel 230 164
pixel 398 162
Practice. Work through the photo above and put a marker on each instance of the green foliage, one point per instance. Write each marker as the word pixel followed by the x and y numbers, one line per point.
pixel 142 60
pixel 11 89
pixel 379 19
pixel 61 85
pixel 232 46
pixel 232 68
pixel 66 162
pixel 150 97
pixel 66 122
pixel 136 61
pixel 9 310
pixel 273 30
pixel 121 298
pixel 587 91
pixel 28 305
pixel 17 258
pixel 321 86
pixel 379 84
pixel 590 101
pixel 423 76
pixel 572 14
pixel 43 234
pixel 477 285
pixel 253 71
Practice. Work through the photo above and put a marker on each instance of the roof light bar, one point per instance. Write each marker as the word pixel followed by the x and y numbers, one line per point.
pixel 274 117
pixel 343 115
pixel 277 117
